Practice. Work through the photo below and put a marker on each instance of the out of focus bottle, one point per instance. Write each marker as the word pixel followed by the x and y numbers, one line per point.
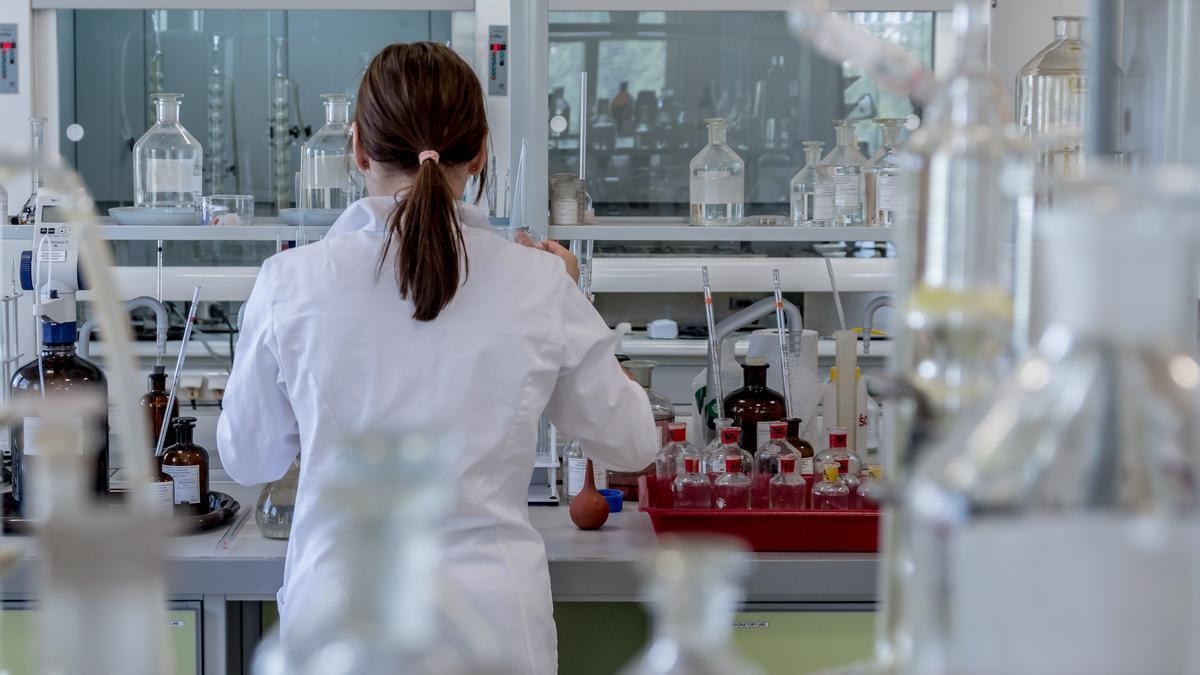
pixel 326 166
pixel 154 402
pixel 669 461
pixel 691 587
pixel 813 190
pixel 845 165
pixel 754 402
pixel 59 370
pixel 187 465
pixel 277 504
pixel 787 489
pixel 714 452
pixel 1052 100
pixel 663 412
pixel 767 463
pixel 718 180
pixel 831 494
pixel 168 162
pixel 37 145
pixel 871 488
pixel 882 179
pixel 731 490
pixel 692 488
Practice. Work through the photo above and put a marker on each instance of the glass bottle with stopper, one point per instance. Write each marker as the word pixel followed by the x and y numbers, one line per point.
pixel 845 165
pixel 668 463
pixel 754 402
pixel 831 494
pixel 813 190
pixel 718 180
pixel 731 490
pixel 1052 100
pixel 187 465
pixel 768 462
pixel 787 490
pixel 168 162
pixel 327 173
pixel 692 488
pixel 882 178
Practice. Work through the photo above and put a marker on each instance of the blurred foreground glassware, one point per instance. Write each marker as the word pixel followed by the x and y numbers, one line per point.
pixel 386 609
pixel 1052 100
pixel 718 180
pixel 277 504
pixel 692 586
pixel 168 162
pixel 327 172
pixel 1081 473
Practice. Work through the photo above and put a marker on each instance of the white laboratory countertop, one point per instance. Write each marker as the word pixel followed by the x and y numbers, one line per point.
pixel 237 562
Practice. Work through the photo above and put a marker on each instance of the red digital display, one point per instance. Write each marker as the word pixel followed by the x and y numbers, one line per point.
pixel 497 47
pixel 7 45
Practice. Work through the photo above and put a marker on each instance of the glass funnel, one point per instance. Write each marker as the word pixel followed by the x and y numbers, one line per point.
pixel 883 176
pixel 692 588
pixel 718 180
pixel 37 140
pixel 326 167
pixel 812 190
pixel 277 504
pixel 845 165
pixel 1052 100
pixel 168 162
pixel 1083 467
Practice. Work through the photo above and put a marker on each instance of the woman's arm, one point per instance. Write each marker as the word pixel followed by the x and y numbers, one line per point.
pixel 594 401
pixel 257 434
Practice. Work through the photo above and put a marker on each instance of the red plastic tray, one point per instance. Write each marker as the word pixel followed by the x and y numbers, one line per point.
pixel 810 531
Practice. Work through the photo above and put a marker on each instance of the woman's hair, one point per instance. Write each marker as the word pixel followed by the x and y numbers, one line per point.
pixel 417 98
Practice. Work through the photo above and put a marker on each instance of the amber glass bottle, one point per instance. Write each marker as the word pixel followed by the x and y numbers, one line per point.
pixel 187 465
pixel 62 371
pixel 754 403
pixel 155 405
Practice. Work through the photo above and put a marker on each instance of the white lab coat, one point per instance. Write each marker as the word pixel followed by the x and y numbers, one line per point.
pixel 328 347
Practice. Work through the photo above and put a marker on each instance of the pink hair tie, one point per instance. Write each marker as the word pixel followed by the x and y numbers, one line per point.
pixel 428 154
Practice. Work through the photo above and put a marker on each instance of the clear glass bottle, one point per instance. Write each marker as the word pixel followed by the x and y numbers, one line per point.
pixel 718 180
pixel 37 144
pixel 1083 465
pixel 1052 100
pixel 277 504
pixel 663 412
pixel 61 370
pixel 576 464
pixel 714 453
pixel 847 461
pixel 845 165
pixel 754 402
pixel 692 488
pixel 768 463
pixel 215 170
pixel 731 490
pixel 813 190
pixel 831 494
pixel 787 490
pixel 669 460
pixel 691 587
pixel 871 489
pixel 187 465
pixel 883 176
pixel 326 167
pixel 168 162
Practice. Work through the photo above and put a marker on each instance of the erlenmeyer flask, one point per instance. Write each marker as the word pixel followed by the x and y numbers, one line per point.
pixel 277 504
pixel 692 588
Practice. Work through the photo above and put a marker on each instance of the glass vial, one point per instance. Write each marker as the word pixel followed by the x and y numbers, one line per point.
pixel 845 165
pixel 1052 100
pixel 718 180
pixel 187 464
pixel 168 162
pixel 813 190
pixel 882 176
pixel 326 166
pixel 277 504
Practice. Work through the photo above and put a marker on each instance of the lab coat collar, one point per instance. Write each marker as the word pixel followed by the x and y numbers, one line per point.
pixel 370 214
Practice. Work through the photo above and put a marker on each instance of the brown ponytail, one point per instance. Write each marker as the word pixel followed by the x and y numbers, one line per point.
pixel 418 98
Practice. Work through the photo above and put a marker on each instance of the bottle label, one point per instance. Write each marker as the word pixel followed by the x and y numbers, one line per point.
pixel 717 465
pixel 663 432
pixel 565 212
pixel 576 475
pixel 848 192
pixel 806 466
pixel 887 195
pixel 717 187
pixel 33 425
pixel 600 476
pixel 162 497
pixel 187 483
pixel 172 175
pixel 823 198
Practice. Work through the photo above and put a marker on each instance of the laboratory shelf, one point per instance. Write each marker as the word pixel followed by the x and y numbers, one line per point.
pixel 273 230
pixel 672 229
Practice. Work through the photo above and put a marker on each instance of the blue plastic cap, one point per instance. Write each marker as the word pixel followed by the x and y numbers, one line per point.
pixel 615 499
pixel 59 333
pixel 27 270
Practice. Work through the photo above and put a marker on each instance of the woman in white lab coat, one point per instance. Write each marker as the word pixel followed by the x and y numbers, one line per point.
pixel 413 314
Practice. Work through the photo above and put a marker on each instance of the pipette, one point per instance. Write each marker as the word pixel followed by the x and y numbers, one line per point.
pixel 714 357
pixel 837 297
pixel 187 335
pixel 516 218
pixel 785 370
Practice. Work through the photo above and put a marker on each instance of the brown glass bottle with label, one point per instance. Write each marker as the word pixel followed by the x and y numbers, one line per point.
pixel 62 370
pixel 187 465
pixel 754 403
pixel 155 405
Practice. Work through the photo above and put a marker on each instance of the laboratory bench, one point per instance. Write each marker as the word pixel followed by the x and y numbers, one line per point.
pixel 225 571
